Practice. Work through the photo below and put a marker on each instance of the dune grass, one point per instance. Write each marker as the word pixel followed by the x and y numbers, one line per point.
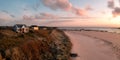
pixel 9 38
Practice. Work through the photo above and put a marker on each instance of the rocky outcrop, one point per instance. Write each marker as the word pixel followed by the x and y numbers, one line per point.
pixel 54 46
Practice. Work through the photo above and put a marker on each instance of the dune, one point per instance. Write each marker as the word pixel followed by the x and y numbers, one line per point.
pixel 34 45
pixel 93 45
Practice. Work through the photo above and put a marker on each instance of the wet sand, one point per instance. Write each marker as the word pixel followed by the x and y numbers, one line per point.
pixel 90 48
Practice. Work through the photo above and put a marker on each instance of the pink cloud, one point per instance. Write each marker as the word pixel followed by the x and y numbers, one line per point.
pixel 4 15
pixel 48 15
pixel 25 17
pixel 40 16
pixel 58 4
pixel 88 7
pixel 79 12
pixel 64 5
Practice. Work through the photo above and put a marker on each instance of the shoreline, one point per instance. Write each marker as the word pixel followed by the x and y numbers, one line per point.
pixel 115 48
pixel 107 38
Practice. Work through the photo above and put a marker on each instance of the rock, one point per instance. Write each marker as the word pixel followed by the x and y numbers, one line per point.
pixel 73 55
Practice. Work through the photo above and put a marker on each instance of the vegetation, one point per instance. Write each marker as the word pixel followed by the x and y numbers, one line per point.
pixel 35 45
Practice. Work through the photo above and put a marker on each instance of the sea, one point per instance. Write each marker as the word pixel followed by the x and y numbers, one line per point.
pixel 113 30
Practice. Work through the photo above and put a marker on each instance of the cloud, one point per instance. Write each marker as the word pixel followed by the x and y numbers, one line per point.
pixel 26 17
pixel 111 4
pixel 88 8
pixel 58 4
pixel 119 0
pixel 48 15
pixel 116 11
pixel 57 21
pixel 64 5
pixel 79 12
pixel 4 15
pixel 40 16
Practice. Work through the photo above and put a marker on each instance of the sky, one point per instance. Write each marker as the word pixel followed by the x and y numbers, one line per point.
pixel 61 13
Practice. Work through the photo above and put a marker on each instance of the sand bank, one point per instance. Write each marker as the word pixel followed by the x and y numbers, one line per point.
pixel 92 45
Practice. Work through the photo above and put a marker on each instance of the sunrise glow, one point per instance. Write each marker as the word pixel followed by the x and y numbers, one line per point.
pixel 116 20
pixel 92 13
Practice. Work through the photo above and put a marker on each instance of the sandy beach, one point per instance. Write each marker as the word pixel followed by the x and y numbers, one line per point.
pixel 94 45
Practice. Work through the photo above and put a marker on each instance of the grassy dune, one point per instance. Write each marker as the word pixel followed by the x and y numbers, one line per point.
pixel 35 45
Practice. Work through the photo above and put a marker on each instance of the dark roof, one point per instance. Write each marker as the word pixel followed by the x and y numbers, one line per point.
pixel 20 25
pixel 43 27
pixel 33 26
